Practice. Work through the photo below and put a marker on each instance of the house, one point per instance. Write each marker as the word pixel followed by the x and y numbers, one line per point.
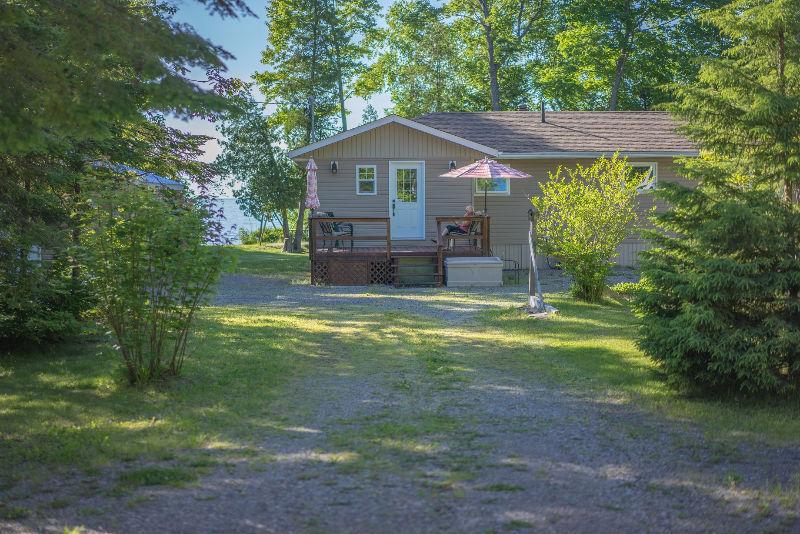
pixel 391 167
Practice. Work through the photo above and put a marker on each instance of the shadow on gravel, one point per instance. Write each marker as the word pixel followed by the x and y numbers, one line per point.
pixel 346 419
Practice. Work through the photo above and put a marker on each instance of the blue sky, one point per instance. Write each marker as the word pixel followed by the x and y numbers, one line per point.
pixel 245 38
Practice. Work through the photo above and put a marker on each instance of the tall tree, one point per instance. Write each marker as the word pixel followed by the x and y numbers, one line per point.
pixel 81 81
pixel 300 77
pixel 618 54
pixel 418 62
pixel 267 185
pixel 500 37
pixel 351 24
pixel 313 54
pixel 721 301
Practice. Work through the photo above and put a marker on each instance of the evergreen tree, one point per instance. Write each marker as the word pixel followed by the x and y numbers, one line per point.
pixel 720 303
pixel 370 114
pixel 85 82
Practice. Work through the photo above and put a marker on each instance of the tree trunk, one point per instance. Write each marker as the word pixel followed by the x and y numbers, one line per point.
pixel 287 232
pixel 788 186
pixel 494 86
pixel 313 76
pixel 337 54
pixel 617 83
pixel 261 229
pixel 297 245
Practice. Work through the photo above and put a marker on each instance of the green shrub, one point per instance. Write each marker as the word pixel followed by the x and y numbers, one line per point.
pixel 627 289
pixel 151 270
pixel 268 235
pixel 584 214
pixel 38 301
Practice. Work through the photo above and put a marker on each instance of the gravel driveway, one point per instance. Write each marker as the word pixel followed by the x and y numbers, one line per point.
pixel 388 449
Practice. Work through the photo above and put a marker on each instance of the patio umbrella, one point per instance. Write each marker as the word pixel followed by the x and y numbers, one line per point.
pixel 485 169
pixel 312 201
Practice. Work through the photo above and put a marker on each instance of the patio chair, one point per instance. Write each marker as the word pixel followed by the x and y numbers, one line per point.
pixel 470 235
pixel 336 229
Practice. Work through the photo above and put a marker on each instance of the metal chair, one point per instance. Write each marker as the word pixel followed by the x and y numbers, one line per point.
pixel 336 229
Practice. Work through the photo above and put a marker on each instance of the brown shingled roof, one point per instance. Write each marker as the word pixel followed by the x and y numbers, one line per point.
pixel 564 131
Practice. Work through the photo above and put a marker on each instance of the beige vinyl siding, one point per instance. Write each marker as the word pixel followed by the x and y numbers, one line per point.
pixel 447 197
pixel 393 142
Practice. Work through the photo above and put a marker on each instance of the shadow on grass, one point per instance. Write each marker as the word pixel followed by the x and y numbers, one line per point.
pixel 244 385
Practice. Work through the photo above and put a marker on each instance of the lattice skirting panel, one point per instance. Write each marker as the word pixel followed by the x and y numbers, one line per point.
pixel 350 272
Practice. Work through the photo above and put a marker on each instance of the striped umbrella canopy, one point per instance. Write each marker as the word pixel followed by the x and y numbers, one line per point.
pixel 485 169
pixel 312 201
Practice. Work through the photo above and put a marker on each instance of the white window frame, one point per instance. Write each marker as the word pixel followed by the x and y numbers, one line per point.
pixel 654 172
pixel 478 192
pixel 374 180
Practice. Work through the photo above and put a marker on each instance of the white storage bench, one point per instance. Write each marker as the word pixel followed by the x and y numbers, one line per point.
pixel 483 271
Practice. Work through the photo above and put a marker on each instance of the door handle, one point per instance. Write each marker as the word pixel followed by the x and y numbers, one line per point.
pixel 393 205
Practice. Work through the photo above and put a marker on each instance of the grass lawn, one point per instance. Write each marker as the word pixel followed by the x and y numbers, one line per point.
pixel 69 407
pixel 270 260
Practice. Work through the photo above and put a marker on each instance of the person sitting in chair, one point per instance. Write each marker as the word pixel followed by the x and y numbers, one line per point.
pixel 462 227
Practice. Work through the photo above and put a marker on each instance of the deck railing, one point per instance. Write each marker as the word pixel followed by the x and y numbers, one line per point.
pixel 359 250
pixel 345 234
pixel 476 235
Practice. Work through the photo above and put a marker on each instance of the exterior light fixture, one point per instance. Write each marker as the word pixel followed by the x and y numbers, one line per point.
pixel 452 165
pixel 334 167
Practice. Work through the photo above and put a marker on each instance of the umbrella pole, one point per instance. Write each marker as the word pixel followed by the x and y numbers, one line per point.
pixel 485 196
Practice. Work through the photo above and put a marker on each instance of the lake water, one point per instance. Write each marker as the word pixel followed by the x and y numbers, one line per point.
pixel 235 219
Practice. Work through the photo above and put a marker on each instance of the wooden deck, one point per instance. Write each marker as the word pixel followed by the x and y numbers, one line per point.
pixel 359 251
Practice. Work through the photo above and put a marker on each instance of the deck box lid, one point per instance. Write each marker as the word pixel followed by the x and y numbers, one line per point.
pixel 473 260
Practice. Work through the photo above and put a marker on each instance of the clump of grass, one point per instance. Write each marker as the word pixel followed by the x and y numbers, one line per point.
pixel 502 487
pixel 518 524
pixel 14 512
pixel 157 476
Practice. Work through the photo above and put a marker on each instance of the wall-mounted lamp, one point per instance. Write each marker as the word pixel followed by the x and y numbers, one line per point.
pixel 452 165
pixel 334 167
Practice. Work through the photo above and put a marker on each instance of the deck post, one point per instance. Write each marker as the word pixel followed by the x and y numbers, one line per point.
pixel 388 240
pixel 486 230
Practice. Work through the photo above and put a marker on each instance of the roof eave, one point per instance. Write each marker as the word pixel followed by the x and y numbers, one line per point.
pixel 296 153
pixel 596 154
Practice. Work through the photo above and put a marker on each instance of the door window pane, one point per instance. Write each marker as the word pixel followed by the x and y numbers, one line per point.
pixel 407 185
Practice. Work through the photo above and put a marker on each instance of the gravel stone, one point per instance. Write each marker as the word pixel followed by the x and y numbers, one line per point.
pixel 519 454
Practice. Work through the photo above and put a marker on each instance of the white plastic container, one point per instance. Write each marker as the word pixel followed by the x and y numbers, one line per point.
pixel 481 271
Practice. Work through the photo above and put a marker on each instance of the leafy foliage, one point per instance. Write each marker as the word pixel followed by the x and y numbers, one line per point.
pixel 150 269
pixel 315 49
pixel 584 215
pixel 85 84
pixel 618 54
pixel 720 304
pixel 418 63
pixel 266 184
pixel 262 235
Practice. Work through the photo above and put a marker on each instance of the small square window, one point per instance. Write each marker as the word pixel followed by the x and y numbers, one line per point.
pixel 495 186
pixel 366 180
pixel 649 174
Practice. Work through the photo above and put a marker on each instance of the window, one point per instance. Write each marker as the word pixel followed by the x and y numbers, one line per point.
pixel 407 185
pixel 366 180
pixel 649 174
pixel 495 186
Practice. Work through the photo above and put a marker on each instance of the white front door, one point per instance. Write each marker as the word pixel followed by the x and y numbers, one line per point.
pixel 407 199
